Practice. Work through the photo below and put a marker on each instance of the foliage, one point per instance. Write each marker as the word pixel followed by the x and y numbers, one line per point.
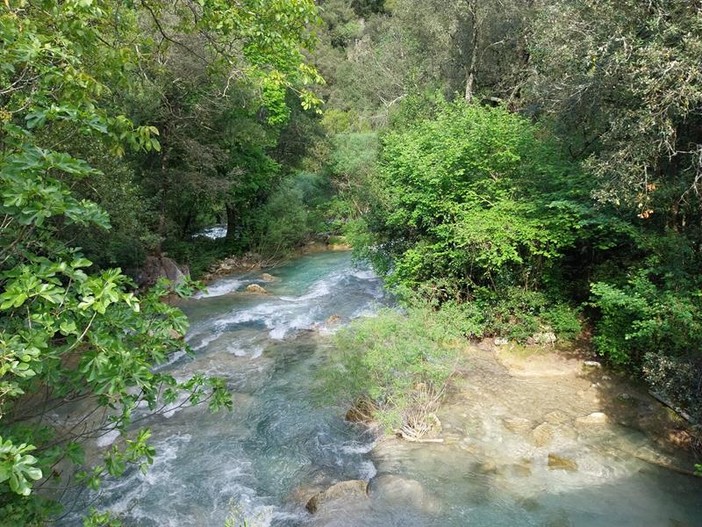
pixel 72 334
pixel 474 198
pixel 400 361
pixel 628 84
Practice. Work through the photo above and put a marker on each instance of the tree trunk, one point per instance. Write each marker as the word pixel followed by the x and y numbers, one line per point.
pixel 472 65
pixel 232 221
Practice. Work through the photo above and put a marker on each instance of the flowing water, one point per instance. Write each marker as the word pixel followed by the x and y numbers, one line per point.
pixel 265 458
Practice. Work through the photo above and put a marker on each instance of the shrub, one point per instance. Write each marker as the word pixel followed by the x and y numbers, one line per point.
pixel 402 362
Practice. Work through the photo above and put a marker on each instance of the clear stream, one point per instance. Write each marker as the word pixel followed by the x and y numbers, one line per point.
pixel 261 460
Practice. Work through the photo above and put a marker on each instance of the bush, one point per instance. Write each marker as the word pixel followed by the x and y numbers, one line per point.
pixel 402 362
pixel 474 196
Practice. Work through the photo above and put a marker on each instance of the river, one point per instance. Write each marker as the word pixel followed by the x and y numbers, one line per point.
pixel 279 443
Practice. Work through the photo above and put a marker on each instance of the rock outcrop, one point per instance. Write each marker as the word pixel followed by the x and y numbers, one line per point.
pixel 157 267
pixel 256 289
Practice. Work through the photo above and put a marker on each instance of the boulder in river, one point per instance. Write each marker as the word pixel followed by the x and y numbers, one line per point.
pixel 518 425
pixel 398 490
pixel 543 434
pixel 594 419
pixel 343 491
pixel 268 277
pixel 257 289
pixel 556 462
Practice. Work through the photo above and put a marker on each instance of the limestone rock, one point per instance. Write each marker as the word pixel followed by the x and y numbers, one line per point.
pixel 156 267
pixel 257 289
pixel 556 462
pixel 268 277
pixel 399 490
pixel 516 424
pixel 557 417
pixel 594 419
pixel 592 364
pixel 353 489
pixel 543 434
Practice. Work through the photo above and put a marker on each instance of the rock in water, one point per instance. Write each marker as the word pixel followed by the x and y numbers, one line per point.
pixel 350 490
pixel 268 277
pixel 594 419
pixel 518 425
pixel 257 289
pixel 402 491
pixel 543 434
pixel 556 462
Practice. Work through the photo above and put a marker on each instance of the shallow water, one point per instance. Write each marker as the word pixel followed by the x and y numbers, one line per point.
pixel 278 442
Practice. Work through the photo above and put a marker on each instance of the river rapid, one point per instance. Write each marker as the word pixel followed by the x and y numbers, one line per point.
pixel 279 445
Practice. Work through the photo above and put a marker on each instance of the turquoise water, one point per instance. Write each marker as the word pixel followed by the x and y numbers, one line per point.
pixel 258 461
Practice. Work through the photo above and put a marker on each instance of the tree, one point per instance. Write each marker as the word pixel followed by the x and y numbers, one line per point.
pixel 472 199
pixel 70 333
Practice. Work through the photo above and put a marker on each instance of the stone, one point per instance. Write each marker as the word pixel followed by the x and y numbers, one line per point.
pixel 543 434
pixel 399 490
pixel 521 469
pixel 489 466
pixel 556 462
pixel 500 341
pixel 546 337
pixel 256 289
pixel 591 364
pixel 516 424
pixel 350 490
pixel 156 267
pixel 268 277
pixel 334 319
pixel 557 417
pixel 594 419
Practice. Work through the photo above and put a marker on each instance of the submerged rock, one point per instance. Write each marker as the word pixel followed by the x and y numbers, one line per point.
pixel 257 289
pixel 594 419
pixel 396 489
pixel 556 462
pixel 268 277
pixel 557 417
pixel 543 434
pixel 353 489
pixel 517 425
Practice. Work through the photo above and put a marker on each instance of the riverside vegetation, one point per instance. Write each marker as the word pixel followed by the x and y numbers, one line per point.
pixel 511 168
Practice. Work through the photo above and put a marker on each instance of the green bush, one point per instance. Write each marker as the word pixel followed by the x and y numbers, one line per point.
pixel 400 361
pixel 475 196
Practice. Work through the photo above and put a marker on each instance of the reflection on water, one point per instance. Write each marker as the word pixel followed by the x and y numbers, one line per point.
pixel 277 445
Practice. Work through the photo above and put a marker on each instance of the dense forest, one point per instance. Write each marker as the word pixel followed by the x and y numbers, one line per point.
pixel 526 168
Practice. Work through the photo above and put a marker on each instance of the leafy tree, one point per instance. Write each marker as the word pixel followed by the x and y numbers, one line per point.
pixel 472 198
pixel 71 334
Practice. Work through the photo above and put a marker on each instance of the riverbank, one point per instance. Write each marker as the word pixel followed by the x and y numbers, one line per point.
pixel 537 433
pixel 255 262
